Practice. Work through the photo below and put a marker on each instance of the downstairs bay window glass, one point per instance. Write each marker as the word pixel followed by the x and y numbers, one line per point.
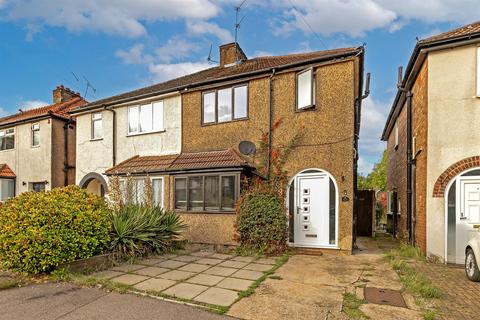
pixel 195 193
pixel 157 190
pixel 181 193
pixel 211 193
pixel 7 189
pixel 228 192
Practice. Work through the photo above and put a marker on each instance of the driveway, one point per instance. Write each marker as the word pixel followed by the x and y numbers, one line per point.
pixel 66 301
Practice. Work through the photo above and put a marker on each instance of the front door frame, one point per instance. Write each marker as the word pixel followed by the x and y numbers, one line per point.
pixel 309 173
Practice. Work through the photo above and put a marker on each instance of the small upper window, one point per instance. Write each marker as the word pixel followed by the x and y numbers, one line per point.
pixel 146 118
pixel 396 134
pixel 97 127
pixel 35 135
pixel 225 105
pixel 7 139
pixel 305 89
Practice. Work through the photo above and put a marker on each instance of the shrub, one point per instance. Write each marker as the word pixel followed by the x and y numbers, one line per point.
pixel 262 221
pixel 39 231
pixel 139 230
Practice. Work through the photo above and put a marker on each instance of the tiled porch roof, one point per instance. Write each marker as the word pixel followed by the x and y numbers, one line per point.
pixel 183 162
pixel 6 172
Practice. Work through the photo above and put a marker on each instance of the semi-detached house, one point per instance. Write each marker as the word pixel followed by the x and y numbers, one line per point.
pixel 184 134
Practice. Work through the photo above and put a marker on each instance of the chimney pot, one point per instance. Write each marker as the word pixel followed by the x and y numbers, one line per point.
pixel 62 94
pixel 231 53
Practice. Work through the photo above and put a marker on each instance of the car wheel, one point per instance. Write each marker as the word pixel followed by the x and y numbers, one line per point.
pixel 471 267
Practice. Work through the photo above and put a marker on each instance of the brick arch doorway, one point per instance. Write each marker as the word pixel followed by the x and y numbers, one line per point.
pixel 94 183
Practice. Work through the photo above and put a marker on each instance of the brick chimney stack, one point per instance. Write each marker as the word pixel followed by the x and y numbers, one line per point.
pixel 62 94
pixel 230 54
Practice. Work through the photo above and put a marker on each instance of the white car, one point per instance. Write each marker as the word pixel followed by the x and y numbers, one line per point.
pixel 472 252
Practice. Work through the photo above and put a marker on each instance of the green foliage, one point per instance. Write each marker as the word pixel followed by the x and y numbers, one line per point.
pixel 139 230
pixel 39 231
pixel 262 221
pixel 351 306
pixel 377 179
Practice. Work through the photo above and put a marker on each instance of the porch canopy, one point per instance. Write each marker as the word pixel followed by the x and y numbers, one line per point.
pixel 6 172
pixel 185 162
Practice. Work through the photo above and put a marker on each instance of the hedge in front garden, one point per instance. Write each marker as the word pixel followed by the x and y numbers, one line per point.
pixel 39 231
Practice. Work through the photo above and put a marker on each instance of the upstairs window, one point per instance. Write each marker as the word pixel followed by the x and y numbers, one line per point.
pixel 225 104
pixel 305 89
pixel 7 139
pixel 145 118
pixel 395 142
pixel 35 135
pixel 97 126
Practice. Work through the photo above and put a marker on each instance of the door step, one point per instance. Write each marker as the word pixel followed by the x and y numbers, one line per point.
pixel 309 251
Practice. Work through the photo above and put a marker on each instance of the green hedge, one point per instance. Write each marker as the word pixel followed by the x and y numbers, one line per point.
pixel 262 221
pixel 39 231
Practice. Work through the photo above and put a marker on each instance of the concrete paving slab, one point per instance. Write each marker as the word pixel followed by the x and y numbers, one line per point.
pixel 247 274
pixel 107 274
pixel 129 279
pixel 150 261
pixel 206 279
pixel 244 259
pixel 176 275
pixel 235 284
pixel 270 261
pixel 168 256
pixel 171 264
pixel 151 271
pixel 194 267
pixel 154 284
pixel 185 290
pixel 186 258
pixel 389 312
pixel 202 254
pixel 233 264
pixel 220 271
pixel 258 267
pixel 222 256
pixel 127 267
pixel 218 296
pixel 209 261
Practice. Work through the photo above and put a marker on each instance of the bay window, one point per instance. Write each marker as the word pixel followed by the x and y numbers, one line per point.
pixel 7 189
pixel 305 89
pixel 206 192
pixel 7 139
pixel 133 191
pixel 146 118
pixel 226 104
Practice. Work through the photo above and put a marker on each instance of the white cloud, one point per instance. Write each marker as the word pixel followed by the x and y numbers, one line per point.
pixel 374 114
pixel 203 28
pixel 134 55
pixel 163 71
pixel 364 166
pixel 32 104
pixel 119 17
pixel 176 48
pixel 356 17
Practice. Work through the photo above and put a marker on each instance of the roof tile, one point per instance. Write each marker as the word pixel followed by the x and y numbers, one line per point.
pixel 6 172
pixel 458 32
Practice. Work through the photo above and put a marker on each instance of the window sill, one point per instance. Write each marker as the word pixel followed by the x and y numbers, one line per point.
pixel 96 139
pixel 144 133
pixel 6 150
pixel 224 122
pixel 35 147
pixel 180 211
pixel 306 109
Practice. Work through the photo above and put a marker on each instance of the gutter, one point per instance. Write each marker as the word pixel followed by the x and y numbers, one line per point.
pixel 195 84
pixel 114 135
pixel 422 49
pixel 270 122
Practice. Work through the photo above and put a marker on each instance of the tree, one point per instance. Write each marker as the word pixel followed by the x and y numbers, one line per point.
pixel 377 179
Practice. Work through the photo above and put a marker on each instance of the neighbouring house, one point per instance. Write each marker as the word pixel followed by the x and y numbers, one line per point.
pixel 37 146
pixel 185 133
pixel 433 140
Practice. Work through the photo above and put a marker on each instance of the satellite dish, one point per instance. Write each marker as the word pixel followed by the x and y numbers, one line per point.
pixel 247 148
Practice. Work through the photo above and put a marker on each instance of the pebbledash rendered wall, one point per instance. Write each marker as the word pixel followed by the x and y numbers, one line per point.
pixel 326 144
pixel 96 155
pixel 453 131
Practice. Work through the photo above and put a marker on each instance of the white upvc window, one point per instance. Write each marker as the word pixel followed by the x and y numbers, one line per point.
pixel 35 135
pixel 136 188
pixel 97 126
pixel 7 189
pixel 305 91
pixel 226 104
pixel 478 71
pixel 396 134
pixel 7 139
pixel 157 190
pixel 146 118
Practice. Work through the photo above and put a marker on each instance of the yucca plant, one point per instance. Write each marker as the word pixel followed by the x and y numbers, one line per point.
pixel 139 230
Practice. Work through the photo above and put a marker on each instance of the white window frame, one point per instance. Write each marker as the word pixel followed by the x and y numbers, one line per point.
pixel 232 104
pixel 478 72
pixel 93 120
pixel 138 107
pixel 162 202
pixel 4 131
pixel 35 129
pixel 312 88
pixel 13 195
pixel 395 132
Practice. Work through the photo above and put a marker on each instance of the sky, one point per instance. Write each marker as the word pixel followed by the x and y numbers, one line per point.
pixel 120 45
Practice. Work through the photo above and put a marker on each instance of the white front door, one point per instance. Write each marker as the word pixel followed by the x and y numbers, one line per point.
pixel 313 218
pixel 468 213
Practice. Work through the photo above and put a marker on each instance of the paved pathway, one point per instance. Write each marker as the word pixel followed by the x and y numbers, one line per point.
pixel 69 302
pixel 202 277
pixel 312 287
pixel 461 297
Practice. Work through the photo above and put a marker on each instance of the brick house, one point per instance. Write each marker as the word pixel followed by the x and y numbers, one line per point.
pixel 37 146
pixel 194 153
pixel 433 144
